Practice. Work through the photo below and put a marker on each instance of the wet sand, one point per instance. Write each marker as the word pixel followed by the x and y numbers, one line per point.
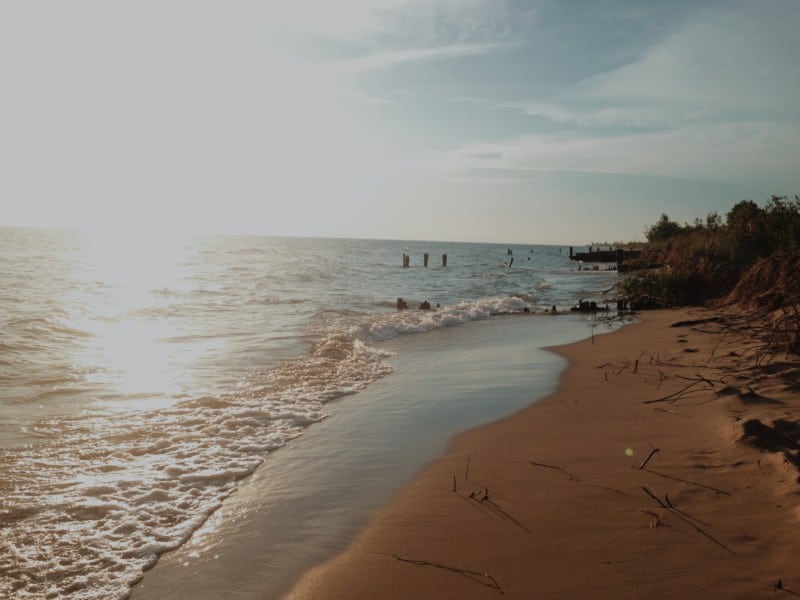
pixel 664 466
pixel 311 498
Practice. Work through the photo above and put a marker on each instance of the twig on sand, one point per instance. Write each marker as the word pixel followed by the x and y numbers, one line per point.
pixel 778 586
pixel 702 485
pixel 714 349
pixel 572 476
pixel 674 396
pixel 649 456
pixel 699 378
pixel 654 497
pixel 686 520
pixel 466 471
pixel 482 498
pixel 661 378
pixel 474 576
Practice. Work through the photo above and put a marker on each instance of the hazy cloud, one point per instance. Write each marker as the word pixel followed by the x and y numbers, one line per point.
pixel 383 60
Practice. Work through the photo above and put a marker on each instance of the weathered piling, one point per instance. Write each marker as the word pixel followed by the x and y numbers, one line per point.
pixel 425 259
pixel 444 260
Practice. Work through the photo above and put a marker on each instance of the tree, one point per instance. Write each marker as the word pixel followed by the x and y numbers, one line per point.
pixel 744 216
pixel 663 229
pixel 747 232
pixel 713 221
pixel 782 221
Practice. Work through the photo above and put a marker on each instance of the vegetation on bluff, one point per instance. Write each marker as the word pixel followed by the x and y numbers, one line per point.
pixel 752 256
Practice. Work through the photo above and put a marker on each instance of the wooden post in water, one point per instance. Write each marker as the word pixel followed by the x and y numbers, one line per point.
pixel 444 260
pixel 425 259
pixel 406 260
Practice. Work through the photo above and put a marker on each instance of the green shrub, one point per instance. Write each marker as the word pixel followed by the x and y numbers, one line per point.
pixel 705 260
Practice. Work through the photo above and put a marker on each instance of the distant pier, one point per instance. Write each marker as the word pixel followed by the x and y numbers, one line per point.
pixel 607 255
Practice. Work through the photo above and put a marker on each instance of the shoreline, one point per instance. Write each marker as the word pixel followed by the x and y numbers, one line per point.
pixel 551 502
pixel 309 499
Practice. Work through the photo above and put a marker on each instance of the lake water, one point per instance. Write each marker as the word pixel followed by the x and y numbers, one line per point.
pixel 142 379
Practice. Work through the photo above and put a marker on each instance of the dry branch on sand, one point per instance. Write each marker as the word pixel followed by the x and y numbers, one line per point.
pixel 484 579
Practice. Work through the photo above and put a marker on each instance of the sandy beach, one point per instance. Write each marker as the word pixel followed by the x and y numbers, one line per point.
pixel 664 466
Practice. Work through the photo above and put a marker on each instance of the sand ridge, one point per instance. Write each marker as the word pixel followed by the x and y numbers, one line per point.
pixel 664 466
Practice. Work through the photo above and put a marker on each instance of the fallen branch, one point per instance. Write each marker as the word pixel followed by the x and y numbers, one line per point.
pixel 702 485
pixel 654 497
pixel 496 509
pixel 572 476
pixel 698 378
pixel 661 378
pixel 676 395
pixel 675 512
pixel 471 575
pixel 649 456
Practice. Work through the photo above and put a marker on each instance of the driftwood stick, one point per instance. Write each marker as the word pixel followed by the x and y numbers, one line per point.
pixel 675 512
pixel 496 509
pixel 700 378
pixel 702 485
pixel 475 576
pixel 649 456
pixel 654 497
pixel 676 395
pixel 572 476
pixel 466 471
pixel 701 531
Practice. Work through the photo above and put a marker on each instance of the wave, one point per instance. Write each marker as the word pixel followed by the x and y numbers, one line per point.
pixel 107 488
pixel 134 484
pixel 376 327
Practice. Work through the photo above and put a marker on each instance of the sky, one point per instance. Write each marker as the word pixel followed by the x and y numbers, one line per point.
pixel 566 121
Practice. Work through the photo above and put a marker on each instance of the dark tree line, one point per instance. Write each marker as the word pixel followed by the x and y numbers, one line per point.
pixel 705 260
pixel 748 233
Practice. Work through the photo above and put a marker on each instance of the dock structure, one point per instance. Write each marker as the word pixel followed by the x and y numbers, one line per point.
pixel 425 260
pixel 609 255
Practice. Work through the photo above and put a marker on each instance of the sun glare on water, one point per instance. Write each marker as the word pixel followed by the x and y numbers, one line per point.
pixel 126 304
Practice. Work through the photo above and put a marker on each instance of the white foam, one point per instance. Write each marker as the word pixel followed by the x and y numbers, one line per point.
pixel 147 479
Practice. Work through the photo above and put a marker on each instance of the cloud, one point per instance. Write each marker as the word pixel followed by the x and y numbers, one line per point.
pixel 345 19
pixel 721 65
pixel 729 60
pixel 382 60
pixel 713 100
pixel 749 152
pixel 388 33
